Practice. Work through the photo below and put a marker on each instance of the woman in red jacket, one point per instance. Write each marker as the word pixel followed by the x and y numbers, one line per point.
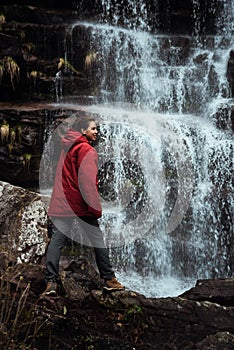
pixel 75 195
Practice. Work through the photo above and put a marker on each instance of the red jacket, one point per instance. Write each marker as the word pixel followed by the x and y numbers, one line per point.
pixel 75 191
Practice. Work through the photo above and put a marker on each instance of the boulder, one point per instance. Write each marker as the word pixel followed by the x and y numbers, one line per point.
pixel 23 223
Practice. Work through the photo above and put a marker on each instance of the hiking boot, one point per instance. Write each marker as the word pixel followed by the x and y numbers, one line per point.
pixel 112 285
pixel 51 289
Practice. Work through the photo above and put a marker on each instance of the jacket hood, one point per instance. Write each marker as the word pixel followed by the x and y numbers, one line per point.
pixel 72 137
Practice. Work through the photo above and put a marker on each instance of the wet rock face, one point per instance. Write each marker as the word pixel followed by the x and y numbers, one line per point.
pixel 23 132
pixel 21 146
pixel 23 223
pixel 32 42
pixel 35 36
pixel 32 74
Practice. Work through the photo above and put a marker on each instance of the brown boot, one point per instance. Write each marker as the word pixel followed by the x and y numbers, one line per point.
pixel 112 285
pixel 51 289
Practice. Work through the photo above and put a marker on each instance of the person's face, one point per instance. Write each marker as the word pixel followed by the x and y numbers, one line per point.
pixel 91 132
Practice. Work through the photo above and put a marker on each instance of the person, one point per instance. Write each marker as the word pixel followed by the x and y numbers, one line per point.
pixel 75 195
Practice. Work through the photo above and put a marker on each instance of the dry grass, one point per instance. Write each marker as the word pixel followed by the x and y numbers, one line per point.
pixel 9 67
pixel 19 326
pixel 5 130
pixel 90 59
pixel 2 20
pixel 64 64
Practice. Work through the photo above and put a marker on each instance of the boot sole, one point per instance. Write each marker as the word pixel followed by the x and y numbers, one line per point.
pixel 112 289
pixel 51 294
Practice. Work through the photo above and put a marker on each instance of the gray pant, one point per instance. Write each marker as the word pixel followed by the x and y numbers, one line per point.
pixel 60 229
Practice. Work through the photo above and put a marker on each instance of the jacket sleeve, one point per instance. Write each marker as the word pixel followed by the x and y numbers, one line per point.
pixel 87 182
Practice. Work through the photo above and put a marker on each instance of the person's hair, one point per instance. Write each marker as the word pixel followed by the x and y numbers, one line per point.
pixel 82 121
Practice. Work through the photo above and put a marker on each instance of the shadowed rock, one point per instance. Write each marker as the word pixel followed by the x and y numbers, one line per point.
pixel 84 316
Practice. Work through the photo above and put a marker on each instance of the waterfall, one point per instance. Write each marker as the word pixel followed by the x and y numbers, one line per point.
pixel 162 73
pixel 166 146
pixel 171 212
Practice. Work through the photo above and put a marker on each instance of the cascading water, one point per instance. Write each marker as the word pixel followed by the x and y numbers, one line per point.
pixel 161 73
pixel 166 167
pixel 181 224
